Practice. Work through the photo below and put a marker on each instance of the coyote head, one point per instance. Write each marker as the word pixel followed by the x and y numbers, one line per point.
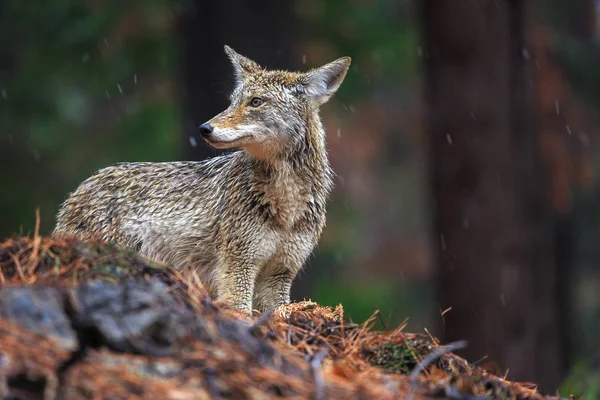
pixel 270 110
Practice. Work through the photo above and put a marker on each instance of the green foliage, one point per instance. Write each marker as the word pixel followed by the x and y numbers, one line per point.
pixel 82 84
pixel 577 51
pixel 580 61
pixel 379 35
pixel 583 382
pixel 361 300
pixel 395 358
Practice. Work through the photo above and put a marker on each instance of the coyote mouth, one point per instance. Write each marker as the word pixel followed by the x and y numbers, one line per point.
pixel 225 143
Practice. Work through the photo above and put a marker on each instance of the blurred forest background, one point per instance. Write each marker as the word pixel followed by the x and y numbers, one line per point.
pixel 464 140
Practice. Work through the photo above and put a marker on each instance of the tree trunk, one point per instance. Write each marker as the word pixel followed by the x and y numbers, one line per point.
pixel 492 221
pixel 261 30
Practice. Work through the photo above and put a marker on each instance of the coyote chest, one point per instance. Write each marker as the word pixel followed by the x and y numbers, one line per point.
pixel 288 201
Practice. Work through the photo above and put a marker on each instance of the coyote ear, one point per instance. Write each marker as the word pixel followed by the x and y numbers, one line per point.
pixel 242 65
pixel 321 83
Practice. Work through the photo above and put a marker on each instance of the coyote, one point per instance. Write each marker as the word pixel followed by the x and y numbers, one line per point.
pixel 246 221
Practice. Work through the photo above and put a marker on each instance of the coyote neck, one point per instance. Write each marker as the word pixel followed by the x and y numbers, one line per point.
pixel 297 178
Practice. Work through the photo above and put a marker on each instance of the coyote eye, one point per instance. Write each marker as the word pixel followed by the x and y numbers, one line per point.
pixel 256 102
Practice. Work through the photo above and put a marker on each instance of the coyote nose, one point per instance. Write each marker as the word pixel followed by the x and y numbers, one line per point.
pixel 205 129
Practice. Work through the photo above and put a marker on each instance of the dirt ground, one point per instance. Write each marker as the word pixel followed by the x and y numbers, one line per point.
pixel 90 320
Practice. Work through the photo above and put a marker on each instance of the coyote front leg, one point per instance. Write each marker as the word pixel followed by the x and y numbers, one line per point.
pixel 274 282
pixel 235 284
pixel 273 288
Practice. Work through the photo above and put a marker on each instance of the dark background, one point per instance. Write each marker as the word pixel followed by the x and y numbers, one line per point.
pixel 464 139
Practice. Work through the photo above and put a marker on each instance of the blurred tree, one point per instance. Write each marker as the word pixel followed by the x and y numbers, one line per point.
pixel 562 121
pixel 492 216
pixel 568 59
pixel 262 30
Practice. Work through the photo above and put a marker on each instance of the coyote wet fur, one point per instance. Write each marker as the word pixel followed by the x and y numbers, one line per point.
pixel 246 221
